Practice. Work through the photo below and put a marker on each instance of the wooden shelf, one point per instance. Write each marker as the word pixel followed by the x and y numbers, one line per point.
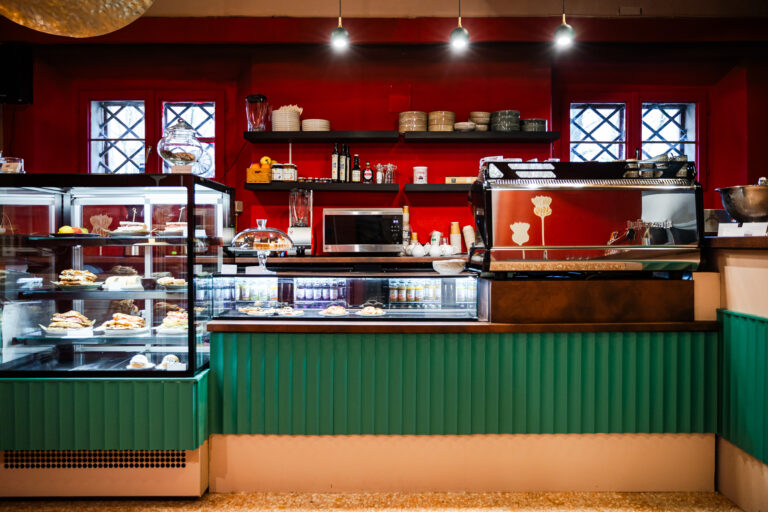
pixel 317 137
pixel 437 187
pixel 510 137
pixel 328 187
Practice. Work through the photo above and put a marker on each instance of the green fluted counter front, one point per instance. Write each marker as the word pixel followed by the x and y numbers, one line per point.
pixel 374 382
pixel 104 414
pixel 744 414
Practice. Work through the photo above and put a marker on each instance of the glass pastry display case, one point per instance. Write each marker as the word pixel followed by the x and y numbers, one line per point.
pixel 98 274
pixel 329 296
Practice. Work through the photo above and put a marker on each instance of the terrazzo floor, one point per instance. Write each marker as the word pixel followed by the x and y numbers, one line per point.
pixel 392 502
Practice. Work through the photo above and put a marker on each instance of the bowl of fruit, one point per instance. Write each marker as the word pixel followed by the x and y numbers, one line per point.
pixel 66 231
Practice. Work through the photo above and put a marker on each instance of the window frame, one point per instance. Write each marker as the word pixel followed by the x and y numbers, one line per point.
pixel 153 119
pixel 634 99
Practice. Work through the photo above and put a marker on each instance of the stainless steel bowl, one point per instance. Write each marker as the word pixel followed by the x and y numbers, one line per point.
pixel 748 203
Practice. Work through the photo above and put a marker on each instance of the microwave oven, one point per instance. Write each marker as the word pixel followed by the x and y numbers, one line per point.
pixel 373 230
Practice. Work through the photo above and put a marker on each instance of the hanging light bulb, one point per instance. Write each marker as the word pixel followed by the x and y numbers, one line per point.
pixel 564 33
pixel 339 35
pixel 459 36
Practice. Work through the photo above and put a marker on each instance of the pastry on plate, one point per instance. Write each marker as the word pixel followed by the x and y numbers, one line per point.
pixel 168 361
pixel 371 311
pixel 72 277
pixel 170 281
pixel 176 320
pixel 69 320
pixel 127 227
pixel 289 311
pixel 139 362
pixel 123 270
pixel 121 321
pixel 123 283
pixel 257 311
pixel 334 311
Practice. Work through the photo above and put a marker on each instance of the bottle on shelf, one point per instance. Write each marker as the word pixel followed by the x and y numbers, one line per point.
pixel 335 163
pixel 367 173
pixel 343 164
pixel 348 161
pixel 406 226
pixel 379 174
pixel 356 170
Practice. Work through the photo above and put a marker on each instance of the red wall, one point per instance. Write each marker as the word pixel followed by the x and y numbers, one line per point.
pixel 366 87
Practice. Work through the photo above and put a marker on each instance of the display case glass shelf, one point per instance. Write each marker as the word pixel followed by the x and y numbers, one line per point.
pixel 344 296
pixel 99 275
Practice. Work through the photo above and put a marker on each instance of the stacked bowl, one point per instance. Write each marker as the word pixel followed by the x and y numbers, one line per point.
pixel 481 120
pixel 534 125
pixel 315 125
pixel 441 121
pixel 413 121
pixel 285 121
pixel 505 121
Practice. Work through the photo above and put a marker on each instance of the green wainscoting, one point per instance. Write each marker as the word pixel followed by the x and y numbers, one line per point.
pixel 318 384
pixel 744 377
pixel 104 414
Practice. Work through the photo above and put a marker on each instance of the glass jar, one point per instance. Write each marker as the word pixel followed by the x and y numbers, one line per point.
pixel 180 148
pixel 290 172
pixel 258 112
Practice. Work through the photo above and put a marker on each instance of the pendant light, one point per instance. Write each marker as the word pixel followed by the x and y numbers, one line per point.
pixel 339 35
pixel 564 33
pixel 459 36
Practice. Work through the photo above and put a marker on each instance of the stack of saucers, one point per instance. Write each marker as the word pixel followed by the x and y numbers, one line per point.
pixel 413 121
pixel 481 120
pixel 441 121
pixel 285 121
pixel 315 125
pixel 534 125
pixel 505 121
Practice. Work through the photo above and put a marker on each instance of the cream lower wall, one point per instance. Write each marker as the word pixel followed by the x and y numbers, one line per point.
pixel 191 480
pixel 567 462
pixel 742 478
pixel 744 281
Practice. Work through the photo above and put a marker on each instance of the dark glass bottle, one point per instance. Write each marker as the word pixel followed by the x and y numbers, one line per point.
pixel 356 170
pixel 335 163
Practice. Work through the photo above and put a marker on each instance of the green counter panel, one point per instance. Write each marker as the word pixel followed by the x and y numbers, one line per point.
pixel 104 414
pixel 463 383
pixel 744 402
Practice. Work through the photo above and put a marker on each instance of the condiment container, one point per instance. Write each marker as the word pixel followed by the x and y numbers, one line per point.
pixel 469 236
pixel 420 175
pixel 455 237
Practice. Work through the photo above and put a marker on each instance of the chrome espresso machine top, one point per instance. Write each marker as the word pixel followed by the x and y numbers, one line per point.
pixel 586 217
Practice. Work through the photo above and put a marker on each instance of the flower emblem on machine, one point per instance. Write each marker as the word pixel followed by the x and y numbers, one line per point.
pixel 542 210
pixel 520 233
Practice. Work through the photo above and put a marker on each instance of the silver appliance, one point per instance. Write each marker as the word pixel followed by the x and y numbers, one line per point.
pixel 369 230
pixel 586 217
pixel 300 220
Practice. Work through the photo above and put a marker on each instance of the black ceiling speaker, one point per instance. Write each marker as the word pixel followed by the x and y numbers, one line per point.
pixel 16 83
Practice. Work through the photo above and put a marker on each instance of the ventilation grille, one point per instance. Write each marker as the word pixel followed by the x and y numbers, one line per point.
pixel 83 459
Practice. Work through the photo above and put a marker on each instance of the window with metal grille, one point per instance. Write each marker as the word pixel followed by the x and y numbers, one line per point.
pixel 117 137
pixel 598 132
pixel 669 128
pixel 200 115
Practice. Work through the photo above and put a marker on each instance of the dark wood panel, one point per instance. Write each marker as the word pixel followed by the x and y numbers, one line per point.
pixel 591 301
pixel 735 242
pixel 343 326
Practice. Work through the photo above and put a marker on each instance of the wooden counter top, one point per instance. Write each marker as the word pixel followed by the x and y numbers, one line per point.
pixel 333 326
pixel 735 242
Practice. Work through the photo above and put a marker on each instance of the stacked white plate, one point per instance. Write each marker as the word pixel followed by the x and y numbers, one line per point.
pixel 285 121
pixel 315 125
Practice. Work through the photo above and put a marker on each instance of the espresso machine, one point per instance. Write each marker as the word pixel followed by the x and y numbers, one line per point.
pixel 300 220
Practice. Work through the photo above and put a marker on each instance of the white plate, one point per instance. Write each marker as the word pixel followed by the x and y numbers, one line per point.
pixel 123 332
pixel 128 233
pixel 89 286
pixel 262 313
pixel 134 288
pixel 171 331
pixel 333 316
pixel 149 366
pixel 86 332
pixel 360 313
pixel 295 312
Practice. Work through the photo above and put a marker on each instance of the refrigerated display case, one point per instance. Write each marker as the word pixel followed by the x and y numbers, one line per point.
pixel 344 296
pixel 99 274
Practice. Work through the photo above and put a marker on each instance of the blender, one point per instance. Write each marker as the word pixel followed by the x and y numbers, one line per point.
pixel 300 220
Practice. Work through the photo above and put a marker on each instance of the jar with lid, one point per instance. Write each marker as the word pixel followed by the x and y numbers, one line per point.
pixel 290 172
pixel 277 172
pixel 180 149
pixel 393 297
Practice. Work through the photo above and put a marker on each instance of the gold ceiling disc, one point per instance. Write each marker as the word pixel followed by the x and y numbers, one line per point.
pixel 74 18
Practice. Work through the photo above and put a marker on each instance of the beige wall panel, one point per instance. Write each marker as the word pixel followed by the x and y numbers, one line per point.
pixel 742 478
pixel 744 281
pixel 191 480
pixel 706 295
pixel 568 462
pixel 441 8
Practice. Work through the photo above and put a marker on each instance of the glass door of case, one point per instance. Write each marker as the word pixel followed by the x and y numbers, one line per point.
pixel 110 286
